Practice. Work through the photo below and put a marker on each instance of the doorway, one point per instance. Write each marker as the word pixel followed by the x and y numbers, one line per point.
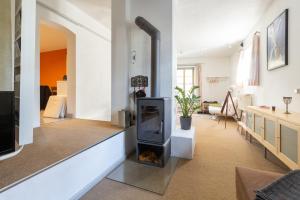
pixel 57 72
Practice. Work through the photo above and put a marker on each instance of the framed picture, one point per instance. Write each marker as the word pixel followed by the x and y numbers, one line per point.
pixel 277 42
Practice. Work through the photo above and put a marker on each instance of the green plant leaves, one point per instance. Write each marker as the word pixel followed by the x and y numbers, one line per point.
pixel 188 101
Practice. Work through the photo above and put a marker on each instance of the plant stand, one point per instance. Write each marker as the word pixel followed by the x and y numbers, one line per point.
pixel 183 143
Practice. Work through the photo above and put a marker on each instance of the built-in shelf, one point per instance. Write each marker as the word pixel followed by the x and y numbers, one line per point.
pixel 18 37
pixel 17 57
pixel 216 79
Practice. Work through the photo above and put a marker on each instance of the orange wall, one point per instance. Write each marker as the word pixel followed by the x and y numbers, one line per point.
pixel 53 66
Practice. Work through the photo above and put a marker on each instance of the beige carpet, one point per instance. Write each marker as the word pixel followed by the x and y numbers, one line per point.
pixel 209 176
pixel 53 143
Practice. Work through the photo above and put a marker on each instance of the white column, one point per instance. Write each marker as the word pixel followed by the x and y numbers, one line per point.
pixel 119 59
pixel 28 65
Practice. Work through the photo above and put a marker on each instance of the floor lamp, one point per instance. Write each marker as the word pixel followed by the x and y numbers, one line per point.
pixel 225 106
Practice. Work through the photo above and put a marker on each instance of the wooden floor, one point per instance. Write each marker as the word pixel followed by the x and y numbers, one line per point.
pixel 53 143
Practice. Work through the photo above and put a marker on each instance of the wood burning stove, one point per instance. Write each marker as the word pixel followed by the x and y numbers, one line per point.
pixel 153 130
pixel 154 113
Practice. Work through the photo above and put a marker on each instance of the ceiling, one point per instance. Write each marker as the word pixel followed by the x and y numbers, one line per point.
pixel 97 9
pixel 204 28
pixel 215 27
pixel 52 38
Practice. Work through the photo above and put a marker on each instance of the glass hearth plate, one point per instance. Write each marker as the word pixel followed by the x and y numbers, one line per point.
pixel 153 179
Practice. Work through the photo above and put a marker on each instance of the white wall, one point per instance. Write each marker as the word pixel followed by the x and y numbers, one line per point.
pixel 160 14
pixel 6 68
pixel 212 67
pixel 279 82
pixel 93 62
pixel 126 37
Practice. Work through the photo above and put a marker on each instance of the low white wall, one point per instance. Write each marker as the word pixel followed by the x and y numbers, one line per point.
pixel 74 177
pixel 279 82
pixel 212 67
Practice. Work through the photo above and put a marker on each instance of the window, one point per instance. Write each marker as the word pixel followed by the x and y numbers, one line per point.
pixel 185 78
pixel 243 71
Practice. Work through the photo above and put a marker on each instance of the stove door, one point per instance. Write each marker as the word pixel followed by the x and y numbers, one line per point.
pixel 150 120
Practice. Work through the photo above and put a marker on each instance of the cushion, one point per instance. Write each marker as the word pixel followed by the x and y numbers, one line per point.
pixel 286 187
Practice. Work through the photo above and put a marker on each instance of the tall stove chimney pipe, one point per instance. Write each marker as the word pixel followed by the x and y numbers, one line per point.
pixel 155 52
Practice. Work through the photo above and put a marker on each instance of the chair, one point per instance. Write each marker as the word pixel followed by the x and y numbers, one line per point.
pixel 249 180
pixel 45 93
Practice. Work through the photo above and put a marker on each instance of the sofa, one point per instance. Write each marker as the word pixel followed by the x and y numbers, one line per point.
pixel 249 180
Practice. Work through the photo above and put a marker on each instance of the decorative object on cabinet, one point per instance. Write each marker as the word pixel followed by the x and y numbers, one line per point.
pixel 287 101
pixel 277 42
pixel 279 133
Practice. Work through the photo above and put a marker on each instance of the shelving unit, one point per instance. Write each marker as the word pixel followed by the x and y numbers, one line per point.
pixel 279 133
pixel 216 79
pixel 17 60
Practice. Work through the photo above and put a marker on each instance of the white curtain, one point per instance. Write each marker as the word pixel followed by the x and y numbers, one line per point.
pixel 198 78
pixel 248 66
pixel 254 64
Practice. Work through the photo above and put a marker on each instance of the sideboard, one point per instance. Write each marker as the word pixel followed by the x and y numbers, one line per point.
pixel 278 132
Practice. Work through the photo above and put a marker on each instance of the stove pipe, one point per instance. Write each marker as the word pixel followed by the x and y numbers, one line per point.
pixel 155 52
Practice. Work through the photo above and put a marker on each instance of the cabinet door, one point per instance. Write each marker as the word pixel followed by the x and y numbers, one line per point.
pixel 249 120
pixel 270 132
pixel 259 125
pixel 289 142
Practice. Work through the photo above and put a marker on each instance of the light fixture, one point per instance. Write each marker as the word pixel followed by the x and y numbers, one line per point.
pixel 297 91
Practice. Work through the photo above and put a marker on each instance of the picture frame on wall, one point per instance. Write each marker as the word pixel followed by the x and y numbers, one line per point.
pixel 277 42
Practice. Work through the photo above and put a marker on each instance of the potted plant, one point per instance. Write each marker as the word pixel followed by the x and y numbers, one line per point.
pixel 189 103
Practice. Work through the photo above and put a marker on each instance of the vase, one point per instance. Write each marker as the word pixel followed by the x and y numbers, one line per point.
pixel 185 123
